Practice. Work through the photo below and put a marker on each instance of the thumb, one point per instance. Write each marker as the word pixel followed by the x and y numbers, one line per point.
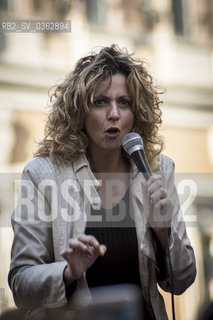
pixel 103 249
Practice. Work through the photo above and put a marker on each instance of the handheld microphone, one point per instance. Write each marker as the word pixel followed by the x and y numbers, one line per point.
pixel 133 145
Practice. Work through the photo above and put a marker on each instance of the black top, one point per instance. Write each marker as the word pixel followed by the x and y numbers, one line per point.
pixel 120 263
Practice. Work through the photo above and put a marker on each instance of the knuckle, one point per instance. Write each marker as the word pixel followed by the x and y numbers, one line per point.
pixel 90 238
pixel 159 184
pixel 81 237
pixel 162 190
pixel 70 242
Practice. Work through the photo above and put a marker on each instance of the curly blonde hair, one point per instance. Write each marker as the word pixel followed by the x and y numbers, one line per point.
pixel 65 138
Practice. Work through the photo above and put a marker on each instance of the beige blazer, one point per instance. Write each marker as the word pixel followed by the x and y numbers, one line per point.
pixel 47 217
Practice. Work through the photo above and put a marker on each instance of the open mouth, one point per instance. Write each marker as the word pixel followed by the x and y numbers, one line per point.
pixel 112 132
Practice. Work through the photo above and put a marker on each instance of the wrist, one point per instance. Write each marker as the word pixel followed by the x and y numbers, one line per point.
pixel 67 276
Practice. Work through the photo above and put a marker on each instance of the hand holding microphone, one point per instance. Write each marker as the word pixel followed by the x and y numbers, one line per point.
pixel 159 219
pixel 160 205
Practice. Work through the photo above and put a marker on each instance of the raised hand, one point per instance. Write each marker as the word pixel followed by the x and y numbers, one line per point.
pixel 80 255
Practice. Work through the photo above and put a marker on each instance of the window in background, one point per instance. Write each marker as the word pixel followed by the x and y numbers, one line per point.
pixel 3 5
pixel 177 10
pixel 182 19
pixel 95 10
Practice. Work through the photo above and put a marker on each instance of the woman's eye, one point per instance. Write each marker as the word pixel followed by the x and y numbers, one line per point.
pixel 99 102
pixel 125 102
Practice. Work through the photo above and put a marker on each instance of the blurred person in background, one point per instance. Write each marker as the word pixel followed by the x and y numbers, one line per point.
pixel 86 217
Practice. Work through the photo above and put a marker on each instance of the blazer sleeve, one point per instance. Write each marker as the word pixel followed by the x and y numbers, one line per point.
pixel 35 278
pixel 180 249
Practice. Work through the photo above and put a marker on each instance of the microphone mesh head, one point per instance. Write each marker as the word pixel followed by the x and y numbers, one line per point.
pixel 132 142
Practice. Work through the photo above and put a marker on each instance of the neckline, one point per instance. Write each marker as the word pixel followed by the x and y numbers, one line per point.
pixel 125 198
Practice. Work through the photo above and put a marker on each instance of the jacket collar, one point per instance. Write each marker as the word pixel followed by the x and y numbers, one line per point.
pixel 87 181
pixel 90 184
pixel 80 162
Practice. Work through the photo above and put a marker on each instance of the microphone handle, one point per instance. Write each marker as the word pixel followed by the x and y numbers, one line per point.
pixel 140 160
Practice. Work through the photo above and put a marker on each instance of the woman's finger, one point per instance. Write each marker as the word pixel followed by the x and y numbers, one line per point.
pixel 89 240
pixel 103 249
pixel 75 244
pixel 153 179
pixel 66 253
pixel 155 186
pixel 160 193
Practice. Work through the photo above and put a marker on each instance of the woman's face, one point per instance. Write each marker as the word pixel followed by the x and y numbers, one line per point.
pixel 110 117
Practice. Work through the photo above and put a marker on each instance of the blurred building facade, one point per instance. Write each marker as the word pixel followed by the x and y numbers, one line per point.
pixel 175 37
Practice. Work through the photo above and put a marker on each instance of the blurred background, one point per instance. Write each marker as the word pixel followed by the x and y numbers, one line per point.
pixel 175 38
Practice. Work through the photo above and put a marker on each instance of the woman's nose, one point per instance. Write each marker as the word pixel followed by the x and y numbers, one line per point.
pixel 114 112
